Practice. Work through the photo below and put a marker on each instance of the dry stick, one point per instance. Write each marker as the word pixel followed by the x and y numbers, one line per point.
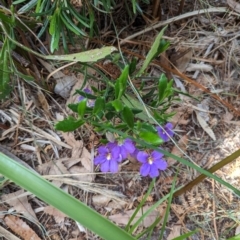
pixel 213 169
pixel 184 77
pixel 174 19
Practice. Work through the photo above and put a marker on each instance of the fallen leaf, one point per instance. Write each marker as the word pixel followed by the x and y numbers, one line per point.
pixel 43 103
pixel 183 61
pixel 237 230
pixel 199 66
pixel 19 227
pixel 234 5
pixel 7 235
pixel 54 167
pixel 123 218
pixel 81 177
pixel 79 151
pixel 64 82
pixel 227 116
pixel 100 200
pixel 205 126
pixel 57 215
pixel 182 144
pixel 176 232
pixel 20 204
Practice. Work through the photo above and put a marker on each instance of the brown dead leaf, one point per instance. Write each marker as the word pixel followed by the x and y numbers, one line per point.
pixel 100 200
pixel 20 228
pixel 7 235
pixel 123 218
pixel 43 103
pixel 205 126
pixel 176 232
pixel 79 152
pixel 183 61
pixel 234 5
pixel 20 204
pixel 81 177
pixel 182 144
pixel 58 215
pixel 55 167
pixel 76 145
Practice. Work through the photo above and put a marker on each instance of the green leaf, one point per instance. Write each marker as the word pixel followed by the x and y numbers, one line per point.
pixel 186 235
pixel 55 31
pixel 70 25
pixel 163 46
pixel 109 115
pixel 99 105
pixel 154 51
pixel 53 22
pixel 69 124
pixel 162 86
pixel 87 56
pixel 64 202
pixel 237 237
pixel 150 137
pixel 82 107
pixel 73 107
pixel 117 104
pixel 5 88
pixel 86 95
pixel 121 83
pixel 128 116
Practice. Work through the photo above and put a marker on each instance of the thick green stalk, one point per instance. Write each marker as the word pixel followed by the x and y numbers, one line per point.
pixel 60 200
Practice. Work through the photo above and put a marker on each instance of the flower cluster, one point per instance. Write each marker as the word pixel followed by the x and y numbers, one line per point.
pixel 113 153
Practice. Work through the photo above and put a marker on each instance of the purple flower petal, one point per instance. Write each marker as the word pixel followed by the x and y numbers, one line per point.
pixel 103 150
pixel 105 166
pixel 145 169
pixel 165 134
pixel 156 155
pixel 129 146
pixel 99 159
pixel 153 171
pixel 142 157
pixel 113 166
pixel 161 164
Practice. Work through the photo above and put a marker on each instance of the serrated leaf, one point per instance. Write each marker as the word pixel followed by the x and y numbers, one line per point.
pixel 99 105
pixel 117 104
pixel 69 124
pixel 153 51
pixel 82 108
pixel 128 116
pixel 87 56
pixel 150 137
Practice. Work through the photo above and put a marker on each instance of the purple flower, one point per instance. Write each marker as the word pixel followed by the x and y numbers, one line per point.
pixel 90 102
pixel 108 158
pixel 167 133
pixel 152 163
pixel 123 147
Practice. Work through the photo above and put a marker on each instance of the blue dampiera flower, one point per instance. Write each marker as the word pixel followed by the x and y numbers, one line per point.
pixel 167 133
pixel 151 163
pixel 108 158
pixel 123 147
pixel 90 102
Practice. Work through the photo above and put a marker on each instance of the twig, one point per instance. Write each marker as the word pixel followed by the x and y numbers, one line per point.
pixel 174 19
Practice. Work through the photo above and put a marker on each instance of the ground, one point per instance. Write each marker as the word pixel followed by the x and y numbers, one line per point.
pixel 205 51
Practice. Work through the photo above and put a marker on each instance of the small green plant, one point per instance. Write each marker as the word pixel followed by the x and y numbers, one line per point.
pixel 113 108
